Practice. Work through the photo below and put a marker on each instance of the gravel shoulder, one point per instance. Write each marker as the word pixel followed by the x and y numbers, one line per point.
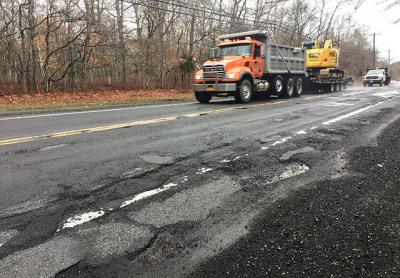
pixel 346 226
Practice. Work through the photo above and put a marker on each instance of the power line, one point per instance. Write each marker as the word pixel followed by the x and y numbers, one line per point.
pixel 180 4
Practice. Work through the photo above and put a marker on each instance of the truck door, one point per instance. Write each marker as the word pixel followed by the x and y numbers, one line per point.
pixel 258 64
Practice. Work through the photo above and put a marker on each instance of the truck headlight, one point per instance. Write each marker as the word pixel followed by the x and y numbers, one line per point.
pixel 198 77
pixel 230 75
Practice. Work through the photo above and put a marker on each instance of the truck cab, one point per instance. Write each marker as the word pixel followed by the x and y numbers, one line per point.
pixel 231 62
pixel 375 76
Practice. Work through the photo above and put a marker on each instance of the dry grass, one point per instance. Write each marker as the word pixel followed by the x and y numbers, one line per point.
pixel 89 98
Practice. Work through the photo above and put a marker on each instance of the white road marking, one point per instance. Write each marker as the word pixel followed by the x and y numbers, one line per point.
pixel 147 194
pixel 82 218
pixel 93 111
pixel 335 104
pixel 203 171
pixel 314 127
pixel 225 161
pixel 355 112
pixel 301 132
pixel 48 148
pixel 283 140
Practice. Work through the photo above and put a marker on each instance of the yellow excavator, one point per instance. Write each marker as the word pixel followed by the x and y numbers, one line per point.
pixel 322 64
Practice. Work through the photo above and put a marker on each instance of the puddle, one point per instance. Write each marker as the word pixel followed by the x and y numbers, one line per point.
pixel 291 171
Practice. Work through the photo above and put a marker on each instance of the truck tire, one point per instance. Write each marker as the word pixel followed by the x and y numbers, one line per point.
pixel 331 88
pixel 298 87
pixel 288 90
pixel 277 85
pixel 244 93
pixel 203 97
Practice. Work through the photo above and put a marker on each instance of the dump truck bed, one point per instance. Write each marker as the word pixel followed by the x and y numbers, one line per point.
pixel 281 59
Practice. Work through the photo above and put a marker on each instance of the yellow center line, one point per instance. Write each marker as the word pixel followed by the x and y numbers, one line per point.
pixel 134 123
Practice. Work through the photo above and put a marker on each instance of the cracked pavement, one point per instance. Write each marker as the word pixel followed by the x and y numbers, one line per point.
pixel 214 192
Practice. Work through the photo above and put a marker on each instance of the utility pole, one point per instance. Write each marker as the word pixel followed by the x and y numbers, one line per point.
pixel 275 17
pixel 374 48
pixel 374 35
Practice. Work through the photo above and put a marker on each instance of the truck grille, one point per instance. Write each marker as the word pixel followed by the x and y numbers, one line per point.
pixel 213 72
pixel 371 77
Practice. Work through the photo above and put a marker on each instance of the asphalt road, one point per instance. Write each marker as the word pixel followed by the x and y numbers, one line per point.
pixel 170 190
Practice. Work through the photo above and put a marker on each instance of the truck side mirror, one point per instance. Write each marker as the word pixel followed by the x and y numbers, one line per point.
pixel 263 50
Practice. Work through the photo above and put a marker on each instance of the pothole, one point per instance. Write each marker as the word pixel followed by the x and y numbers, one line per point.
pixel 290 171
pixel 157 159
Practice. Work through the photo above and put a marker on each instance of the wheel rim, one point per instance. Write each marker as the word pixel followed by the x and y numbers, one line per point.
pixel 299 87
pixel 278 85
pixel 290 87
pixel 246 91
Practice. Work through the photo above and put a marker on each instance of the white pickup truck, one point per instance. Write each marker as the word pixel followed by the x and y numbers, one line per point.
pixel 376 76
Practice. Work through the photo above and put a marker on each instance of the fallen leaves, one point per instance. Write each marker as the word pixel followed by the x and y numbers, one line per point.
pixel 78 98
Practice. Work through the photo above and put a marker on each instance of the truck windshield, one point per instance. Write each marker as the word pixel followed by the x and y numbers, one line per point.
pixel 234 50
pixel 375 72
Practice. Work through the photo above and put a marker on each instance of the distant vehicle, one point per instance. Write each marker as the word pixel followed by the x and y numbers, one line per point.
pixel 350 80
pixel 250 62
pixel 378 76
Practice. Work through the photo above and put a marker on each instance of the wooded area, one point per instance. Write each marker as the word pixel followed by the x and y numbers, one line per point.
pixel 50 45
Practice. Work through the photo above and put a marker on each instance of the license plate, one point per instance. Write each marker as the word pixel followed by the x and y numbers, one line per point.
pixel 210 89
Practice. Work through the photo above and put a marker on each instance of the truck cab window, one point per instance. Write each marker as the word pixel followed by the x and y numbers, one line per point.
pixel 257 51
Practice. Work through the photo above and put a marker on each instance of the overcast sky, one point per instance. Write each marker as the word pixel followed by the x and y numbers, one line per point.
pixel 374 15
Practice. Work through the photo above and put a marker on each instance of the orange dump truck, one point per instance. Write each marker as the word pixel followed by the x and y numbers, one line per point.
pixel 250 62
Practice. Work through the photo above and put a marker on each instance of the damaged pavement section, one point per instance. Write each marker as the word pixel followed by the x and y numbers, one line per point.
pixel 96 245
pixel 191 205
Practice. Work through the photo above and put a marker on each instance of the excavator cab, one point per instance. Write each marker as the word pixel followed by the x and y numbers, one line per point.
pixel 311 45
pixel 322 57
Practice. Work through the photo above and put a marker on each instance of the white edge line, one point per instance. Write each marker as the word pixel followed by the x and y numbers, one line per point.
pixel 93 111
pixel 334 120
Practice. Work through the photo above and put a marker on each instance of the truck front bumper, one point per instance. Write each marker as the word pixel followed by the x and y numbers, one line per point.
pixel 372 81
pixel 215 87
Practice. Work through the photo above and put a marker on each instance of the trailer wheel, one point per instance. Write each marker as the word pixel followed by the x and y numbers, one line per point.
pixel 245 92
pixel 203 97
pixel 288 90
pixel 298 88
pixel 331 88
pixel 277 85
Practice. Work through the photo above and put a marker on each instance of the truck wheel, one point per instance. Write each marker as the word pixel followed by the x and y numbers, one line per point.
pixel 277 85
pixel 203 97
pixel 245 92
pixel 298 87
pixel 289 88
